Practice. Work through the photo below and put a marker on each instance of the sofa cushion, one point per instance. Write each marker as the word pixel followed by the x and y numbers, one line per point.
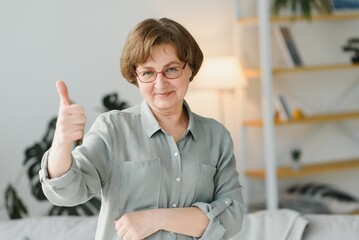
pixel 54 227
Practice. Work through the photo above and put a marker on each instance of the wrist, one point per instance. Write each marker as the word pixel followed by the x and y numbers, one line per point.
pixel 160 218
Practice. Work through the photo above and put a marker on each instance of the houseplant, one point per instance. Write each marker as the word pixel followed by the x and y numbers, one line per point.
pixel 303 8
pixel 16 207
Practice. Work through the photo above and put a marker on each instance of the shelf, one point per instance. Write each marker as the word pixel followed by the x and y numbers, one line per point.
pixel 289 19
pixel 270 172
pixel 308 119
pixel 310 169
pixel 316 68
pixel 256 73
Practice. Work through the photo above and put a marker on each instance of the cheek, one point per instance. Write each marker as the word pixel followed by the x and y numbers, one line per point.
pixel 184 86
pixel 144 88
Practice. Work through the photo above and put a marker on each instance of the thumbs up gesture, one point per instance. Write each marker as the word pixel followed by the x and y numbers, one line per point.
pixel 71 118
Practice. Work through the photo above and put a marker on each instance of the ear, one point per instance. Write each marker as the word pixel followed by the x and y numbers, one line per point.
pixel 190 78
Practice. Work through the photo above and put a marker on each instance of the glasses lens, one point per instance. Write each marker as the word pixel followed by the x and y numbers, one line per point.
pixel 147 76
pixel 170 73
pixel 174 72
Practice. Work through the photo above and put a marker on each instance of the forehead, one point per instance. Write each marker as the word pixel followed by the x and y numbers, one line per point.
pixel 161 55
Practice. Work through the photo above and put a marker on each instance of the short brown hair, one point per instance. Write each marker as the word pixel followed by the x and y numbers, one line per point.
pixel 152 32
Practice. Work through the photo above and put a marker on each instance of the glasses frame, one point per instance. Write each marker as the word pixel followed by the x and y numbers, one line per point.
pixel 163 74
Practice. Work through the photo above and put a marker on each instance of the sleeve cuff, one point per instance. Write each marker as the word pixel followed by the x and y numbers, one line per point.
pixel 213 212
pixel 59 182
pixel 214 230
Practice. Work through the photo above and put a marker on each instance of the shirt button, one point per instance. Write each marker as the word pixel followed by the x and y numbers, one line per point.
pixel 178 179
pixel 171 233
pixel 176 154
pixel 174 205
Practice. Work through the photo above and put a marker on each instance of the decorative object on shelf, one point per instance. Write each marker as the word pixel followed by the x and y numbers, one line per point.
pixel 353 45
pixel 335 200
pixel 297 114
pixel 304 205
pixel 296 163
pixel 303 8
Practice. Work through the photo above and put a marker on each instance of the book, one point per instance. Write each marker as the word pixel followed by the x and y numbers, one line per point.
pixel 286 59
pixel 282 107
pixel 345 5
pixel 291 48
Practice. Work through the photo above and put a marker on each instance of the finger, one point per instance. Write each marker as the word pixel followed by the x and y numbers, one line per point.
pixel 121 232
pixel 63 93
pixel 72 120
pixel 72 110
pixel 78 120
pixel 77 135
pixel 76 109
pixel 72 136
pixel 117 224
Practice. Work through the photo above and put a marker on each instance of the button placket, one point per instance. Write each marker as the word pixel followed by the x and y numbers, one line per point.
pixel 176 160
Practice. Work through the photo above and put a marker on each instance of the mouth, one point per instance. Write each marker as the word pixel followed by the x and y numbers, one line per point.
pixel 163 95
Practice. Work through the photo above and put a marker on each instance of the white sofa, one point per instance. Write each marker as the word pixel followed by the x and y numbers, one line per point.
pixel 286 224
pixel 54 228
pixel 319 227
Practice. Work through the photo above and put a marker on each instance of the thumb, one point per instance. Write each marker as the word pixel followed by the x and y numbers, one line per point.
pixel 63 93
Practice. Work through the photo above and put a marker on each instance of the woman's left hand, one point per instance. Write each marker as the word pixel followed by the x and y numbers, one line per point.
pixel 136 225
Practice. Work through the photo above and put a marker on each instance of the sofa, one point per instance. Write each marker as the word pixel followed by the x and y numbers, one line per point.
pixel 258 225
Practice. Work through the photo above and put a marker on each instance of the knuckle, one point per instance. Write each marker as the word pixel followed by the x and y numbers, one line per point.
pixel 60 121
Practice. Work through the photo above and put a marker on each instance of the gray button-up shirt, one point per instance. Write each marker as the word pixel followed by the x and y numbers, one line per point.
pixel 136 166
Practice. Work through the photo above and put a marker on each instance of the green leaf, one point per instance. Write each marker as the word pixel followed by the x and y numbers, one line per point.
pixel 14 206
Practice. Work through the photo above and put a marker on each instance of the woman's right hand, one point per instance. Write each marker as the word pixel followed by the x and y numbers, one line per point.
pixel 69 128
pixel 71 118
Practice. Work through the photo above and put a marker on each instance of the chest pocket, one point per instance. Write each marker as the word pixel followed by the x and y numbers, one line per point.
pixel 205 183
pixel 139 185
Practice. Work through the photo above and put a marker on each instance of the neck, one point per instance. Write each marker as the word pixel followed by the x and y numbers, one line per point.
pixel 170 116
pixel 174 123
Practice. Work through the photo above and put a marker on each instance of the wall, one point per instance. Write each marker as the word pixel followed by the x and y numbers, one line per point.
pixel 80 41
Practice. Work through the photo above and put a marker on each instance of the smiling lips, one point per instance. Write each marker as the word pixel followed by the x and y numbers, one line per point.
pixel 165 94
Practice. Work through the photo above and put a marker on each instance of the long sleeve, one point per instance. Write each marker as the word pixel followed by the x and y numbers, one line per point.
pixel 136 166
pixel 90 165
pixel 226 212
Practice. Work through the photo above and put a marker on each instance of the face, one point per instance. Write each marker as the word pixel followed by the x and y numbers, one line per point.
pixel 164 95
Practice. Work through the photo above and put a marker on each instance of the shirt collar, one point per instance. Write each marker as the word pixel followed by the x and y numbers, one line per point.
pixel 151 125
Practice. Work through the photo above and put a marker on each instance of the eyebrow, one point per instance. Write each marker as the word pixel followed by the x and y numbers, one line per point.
pixel 167 65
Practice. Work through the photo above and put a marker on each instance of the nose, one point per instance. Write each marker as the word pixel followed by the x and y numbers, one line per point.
pixel 161 80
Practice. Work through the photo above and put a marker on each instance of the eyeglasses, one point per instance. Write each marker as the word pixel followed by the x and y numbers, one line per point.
pixel 169 73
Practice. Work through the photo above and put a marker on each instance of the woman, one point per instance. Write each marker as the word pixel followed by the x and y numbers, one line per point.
pixel 163 172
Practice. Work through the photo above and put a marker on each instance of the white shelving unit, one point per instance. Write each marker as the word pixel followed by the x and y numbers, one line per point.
pixel 268 125
pixel 271 173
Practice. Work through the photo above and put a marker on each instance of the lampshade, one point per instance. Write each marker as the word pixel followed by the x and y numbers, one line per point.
pixel 219 73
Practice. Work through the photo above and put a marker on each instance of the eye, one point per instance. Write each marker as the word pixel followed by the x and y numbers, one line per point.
pixel 172 69
pixel 147 74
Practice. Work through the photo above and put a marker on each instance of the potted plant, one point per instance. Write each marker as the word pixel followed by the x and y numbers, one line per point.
pixel 16 208
pixel 302 8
